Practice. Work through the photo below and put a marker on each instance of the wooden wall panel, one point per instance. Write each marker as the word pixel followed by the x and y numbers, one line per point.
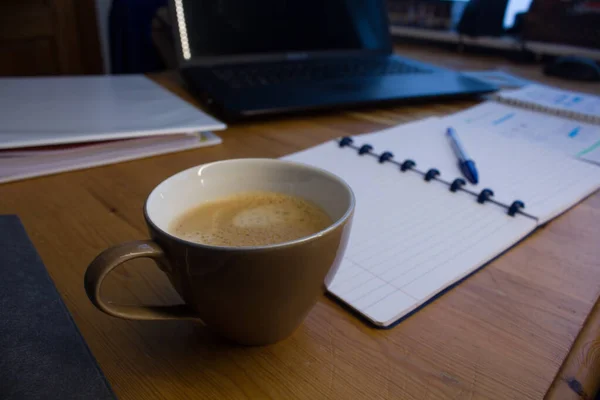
pixel 32 57
pixel 41 37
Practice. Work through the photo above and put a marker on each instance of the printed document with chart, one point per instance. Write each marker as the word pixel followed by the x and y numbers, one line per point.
pixel 574 137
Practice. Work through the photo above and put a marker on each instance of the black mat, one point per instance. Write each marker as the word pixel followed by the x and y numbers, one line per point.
pixel 42 353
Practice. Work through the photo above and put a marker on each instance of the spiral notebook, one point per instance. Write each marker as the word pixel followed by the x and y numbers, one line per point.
pixel 564 103
pixel 419 228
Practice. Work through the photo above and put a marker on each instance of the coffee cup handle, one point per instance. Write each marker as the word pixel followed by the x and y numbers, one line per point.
pixel 111 258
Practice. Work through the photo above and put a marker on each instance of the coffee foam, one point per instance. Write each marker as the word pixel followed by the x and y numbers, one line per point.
pixel 251 219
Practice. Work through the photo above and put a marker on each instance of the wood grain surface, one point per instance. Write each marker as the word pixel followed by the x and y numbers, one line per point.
pixel 578 377
pixel 502 334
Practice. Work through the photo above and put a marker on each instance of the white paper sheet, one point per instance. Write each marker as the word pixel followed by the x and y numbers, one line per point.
pixel 548 181
pixel 28 163
pixel 410 239
pixel 573 137
pixel 46 111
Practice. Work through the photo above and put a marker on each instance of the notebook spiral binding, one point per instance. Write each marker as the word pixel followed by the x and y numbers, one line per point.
pixel 549 110
pixel 458 184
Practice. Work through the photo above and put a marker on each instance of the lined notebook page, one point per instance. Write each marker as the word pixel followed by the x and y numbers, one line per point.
pixel 410 239
pixel 548 181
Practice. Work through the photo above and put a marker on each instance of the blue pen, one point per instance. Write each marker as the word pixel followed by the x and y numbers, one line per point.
pixel 466 165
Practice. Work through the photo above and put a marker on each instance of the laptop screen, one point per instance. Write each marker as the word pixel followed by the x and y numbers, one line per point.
pixel 221 28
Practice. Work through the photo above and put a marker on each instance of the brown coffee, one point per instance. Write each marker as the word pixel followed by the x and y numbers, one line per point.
pixel 251 219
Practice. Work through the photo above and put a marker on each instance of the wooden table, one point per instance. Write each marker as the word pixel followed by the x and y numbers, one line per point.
pixel 504 333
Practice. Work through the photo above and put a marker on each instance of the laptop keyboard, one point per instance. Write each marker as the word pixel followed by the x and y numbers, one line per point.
pixel 244 76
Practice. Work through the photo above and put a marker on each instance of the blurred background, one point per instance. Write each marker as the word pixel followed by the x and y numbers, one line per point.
pixel 56 37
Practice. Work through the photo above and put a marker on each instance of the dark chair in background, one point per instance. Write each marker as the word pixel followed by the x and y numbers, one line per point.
pixel 131 47
pixel 483 18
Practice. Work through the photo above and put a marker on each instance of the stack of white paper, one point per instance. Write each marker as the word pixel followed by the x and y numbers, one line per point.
pixel 28 163
pixel 58 124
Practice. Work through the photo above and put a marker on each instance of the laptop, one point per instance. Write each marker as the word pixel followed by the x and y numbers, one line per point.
pixel 246 58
